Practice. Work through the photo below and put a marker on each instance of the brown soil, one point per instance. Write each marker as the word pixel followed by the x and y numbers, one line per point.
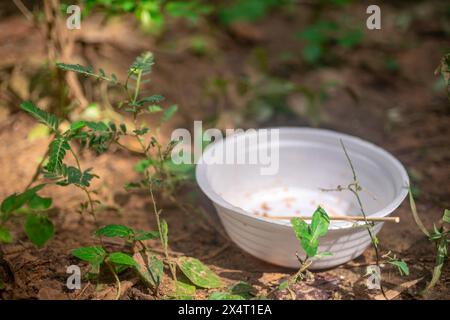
pixel 399 111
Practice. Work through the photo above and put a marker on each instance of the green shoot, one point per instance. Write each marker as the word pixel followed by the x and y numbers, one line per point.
pixel 439 236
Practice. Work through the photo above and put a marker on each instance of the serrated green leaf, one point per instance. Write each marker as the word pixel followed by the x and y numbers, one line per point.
pixel 122 258
pixel 93 255
pixel 198 273
pixel 87 71
pixel 168 113
pixel 114 230
pixel 58 149
pixel 42 116
pixel 39 229
pixel 5 235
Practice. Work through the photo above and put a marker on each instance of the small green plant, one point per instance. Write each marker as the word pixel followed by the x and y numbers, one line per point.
pixel 152 14
pixel 321 36
pixel 159 173
pixel 439 236
pixel 308 235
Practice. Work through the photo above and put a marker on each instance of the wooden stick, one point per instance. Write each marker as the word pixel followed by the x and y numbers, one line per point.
pixel 342 218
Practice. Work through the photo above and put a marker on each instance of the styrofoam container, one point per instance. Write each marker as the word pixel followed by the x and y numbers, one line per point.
pixel 309 160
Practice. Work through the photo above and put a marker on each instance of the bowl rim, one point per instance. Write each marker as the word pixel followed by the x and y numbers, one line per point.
pixel 202 180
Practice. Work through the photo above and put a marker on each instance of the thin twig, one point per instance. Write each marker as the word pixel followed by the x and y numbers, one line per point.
pixel 23 9
pixel 354 188
pixel 340 218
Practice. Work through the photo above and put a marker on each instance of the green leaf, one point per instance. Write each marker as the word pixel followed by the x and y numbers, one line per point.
pixel 114 230
pixel 446 216
pixel 401 266
pixel 320 223
pixel 122 258
pixel 283 285
pixel 39 229
pixel 300 228
pixel 8 205
pixel 242 289
pixel 58 149
pixel 149 268
pixel 39 203
pixel 5 235
pixel 154 108
pixel 77 125
pixel 42 116
pixel 86 71
pixel 16 201
pixel 146 235
pixel 184 291
pixel 309 234
pixel 140 132
pixel 224 296
pixel 152 99
pixel 93 255
pixel 169 112
pixel 123 128
pixel 142 165
pixel 198 273
pixel 75 176
pixel 142 64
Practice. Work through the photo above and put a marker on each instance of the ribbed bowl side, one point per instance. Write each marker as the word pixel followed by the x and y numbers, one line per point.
pixel 277 244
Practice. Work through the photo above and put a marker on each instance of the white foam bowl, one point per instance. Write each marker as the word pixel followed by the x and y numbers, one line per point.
pixel 309 160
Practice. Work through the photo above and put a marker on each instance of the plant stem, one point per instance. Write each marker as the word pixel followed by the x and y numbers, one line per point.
pixel 354 188
pixel 38 169
pixel 116 277
pixel 416 217
pixel 161 237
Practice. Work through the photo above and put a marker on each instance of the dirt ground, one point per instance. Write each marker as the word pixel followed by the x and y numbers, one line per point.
pixel 400 111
